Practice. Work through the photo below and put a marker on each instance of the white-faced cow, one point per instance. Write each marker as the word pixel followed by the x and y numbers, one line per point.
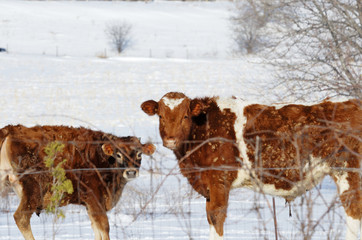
pixel 222 144
pixel 99 165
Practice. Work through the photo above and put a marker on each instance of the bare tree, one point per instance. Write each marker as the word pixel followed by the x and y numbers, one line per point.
pixel 119 35
pixel 316 45
pixel 249 24
pixel 321 48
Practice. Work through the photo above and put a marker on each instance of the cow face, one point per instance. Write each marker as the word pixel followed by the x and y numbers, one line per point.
pixel 128 155
pixel 175 112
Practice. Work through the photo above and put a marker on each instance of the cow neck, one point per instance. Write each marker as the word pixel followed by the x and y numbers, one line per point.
pixel 213 123
pixel 196 135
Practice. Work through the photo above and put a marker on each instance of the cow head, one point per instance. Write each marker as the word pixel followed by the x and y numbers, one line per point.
pixel 127 152
pixel 175 112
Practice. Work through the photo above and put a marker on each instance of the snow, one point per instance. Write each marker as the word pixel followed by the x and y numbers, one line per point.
pixel 53 73
pixel 161 29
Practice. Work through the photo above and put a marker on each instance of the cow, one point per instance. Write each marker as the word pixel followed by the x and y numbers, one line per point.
pixel 226 143
pixel 98 165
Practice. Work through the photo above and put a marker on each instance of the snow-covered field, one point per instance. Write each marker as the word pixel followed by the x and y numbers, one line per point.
pixel 53 74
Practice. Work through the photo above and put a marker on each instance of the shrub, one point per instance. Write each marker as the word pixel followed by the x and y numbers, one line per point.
pixel 60 185
pixel 119 35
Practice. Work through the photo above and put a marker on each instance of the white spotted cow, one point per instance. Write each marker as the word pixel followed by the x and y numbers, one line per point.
pixel 225 143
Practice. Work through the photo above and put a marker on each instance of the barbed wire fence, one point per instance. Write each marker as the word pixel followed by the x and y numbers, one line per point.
pixel 163 201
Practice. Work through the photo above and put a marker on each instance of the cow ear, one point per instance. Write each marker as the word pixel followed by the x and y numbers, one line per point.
pixel 196 107
pixel 107 149
pixel 148 148
pixel 150 107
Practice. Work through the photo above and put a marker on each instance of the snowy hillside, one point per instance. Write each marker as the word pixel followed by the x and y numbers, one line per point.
pixel 53 74
pixel 159 29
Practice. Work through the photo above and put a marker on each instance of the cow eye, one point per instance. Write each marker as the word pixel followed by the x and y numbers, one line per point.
pixel 119 157
pixel 139 155
pixel 186 117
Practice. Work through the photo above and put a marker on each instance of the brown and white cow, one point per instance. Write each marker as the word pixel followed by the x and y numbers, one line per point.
pixel 99 165
pixel 283 151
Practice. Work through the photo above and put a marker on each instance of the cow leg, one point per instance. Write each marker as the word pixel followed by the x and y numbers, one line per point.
pixel 353 226
pixel 351 197
pixel 22 218
pixel 216 209
pixel 99 220
pixel 5 168
pixel 29 192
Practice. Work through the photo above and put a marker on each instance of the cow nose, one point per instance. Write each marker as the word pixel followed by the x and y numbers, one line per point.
pixel 130 174
pixel 170 142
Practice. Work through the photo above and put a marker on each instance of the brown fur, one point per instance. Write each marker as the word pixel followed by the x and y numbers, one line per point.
pixel 92 164
pixel 325 130
pixel 279 143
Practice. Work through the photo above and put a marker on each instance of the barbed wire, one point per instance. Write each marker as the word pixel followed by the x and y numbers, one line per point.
pixel 167 172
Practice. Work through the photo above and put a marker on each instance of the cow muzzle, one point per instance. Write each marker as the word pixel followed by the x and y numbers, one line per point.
pixel 130 174
pixel 170 143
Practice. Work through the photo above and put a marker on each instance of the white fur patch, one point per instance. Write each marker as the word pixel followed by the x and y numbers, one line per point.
pixel 214 235
pixel 353 227
pixel 342 182
pixel 6 170
pixel 313 175
pixel 172 102
pixel 5 166
pixel 237 106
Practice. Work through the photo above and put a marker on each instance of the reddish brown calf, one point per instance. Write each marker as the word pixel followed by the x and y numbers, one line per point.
pixel 98 164
pixel 226 143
